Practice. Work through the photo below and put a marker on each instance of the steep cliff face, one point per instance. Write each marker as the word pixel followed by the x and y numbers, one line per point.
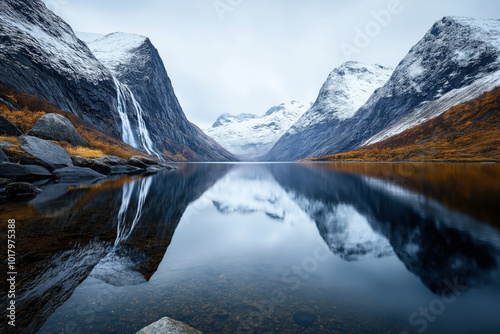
pixel 346 89
pixel 153 109
pixel 126 93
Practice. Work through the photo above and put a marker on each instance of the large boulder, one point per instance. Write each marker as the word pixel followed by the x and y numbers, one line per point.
pixel 59 128
pixel 29 173
pixel 22 190
pixel 168 326
pixel 8 129
pixel 92 164
pixel 76 174
pixel 51 155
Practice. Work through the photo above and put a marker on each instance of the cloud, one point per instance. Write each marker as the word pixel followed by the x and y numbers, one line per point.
pixel 264 52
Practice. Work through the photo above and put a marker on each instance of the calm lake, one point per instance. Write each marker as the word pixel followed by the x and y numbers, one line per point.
pixel 263 248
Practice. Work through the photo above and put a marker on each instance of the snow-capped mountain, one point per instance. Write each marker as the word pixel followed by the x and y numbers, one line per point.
pixel 347 88
pixel 124 91
pixel 248 134
pixel 135 62
pixel 456 61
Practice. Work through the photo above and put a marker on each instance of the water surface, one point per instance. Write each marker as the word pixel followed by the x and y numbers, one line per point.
pixel 265 248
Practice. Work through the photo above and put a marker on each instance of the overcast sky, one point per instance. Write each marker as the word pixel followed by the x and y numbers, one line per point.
pixel 234 56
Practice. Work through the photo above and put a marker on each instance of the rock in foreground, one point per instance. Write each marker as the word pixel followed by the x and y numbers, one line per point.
pixel 59 128
pixel 29 173
pixel 92 164
pixel 51 155
pixel 168 326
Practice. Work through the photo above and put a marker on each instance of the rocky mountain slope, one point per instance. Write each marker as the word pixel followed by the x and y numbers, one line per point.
pixel 467 132
pixel 347 88
pixel 456 61
pixel 131 98
pixel 248 134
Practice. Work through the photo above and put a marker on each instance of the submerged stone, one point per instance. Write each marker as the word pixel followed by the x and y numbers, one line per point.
pixel 168 326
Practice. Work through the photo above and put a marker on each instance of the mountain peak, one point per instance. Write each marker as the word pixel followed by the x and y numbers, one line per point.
pixel 116 48
pixel 248 134
pixel 485 30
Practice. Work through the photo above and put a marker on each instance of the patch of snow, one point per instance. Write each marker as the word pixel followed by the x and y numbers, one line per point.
pixel 116 49
pixel 347 88
pixel 67 54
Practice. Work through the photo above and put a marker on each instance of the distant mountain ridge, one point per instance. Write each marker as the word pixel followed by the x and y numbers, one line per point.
pixel 250 135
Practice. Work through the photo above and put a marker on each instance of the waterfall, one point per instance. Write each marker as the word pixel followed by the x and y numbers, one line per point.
pixel 127 134
pixel 124 231
pixel 122 214
pixel 144 136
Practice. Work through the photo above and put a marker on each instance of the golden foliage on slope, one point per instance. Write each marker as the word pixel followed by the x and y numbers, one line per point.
pixel 32 108
pixel 466 132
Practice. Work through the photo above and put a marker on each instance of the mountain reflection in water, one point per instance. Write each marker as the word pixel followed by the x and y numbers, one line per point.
pixel 438 220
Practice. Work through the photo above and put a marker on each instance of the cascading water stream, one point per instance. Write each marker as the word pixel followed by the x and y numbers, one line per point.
pixel 127 134
pixel 144 135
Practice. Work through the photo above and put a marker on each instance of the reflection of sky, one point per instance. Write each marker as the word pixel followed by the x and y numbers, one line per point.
pixel 252 190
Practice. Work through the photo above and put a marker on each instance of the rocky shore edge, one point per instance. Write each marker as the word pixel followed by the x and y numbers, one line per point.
pixel 35 160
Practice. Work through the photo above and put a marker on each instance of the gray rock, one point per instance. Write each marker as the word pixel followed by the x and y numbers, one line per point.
pixel 92 164
pixel 27 173
pixel 116 170
pixel 22 190
pixel 52 156
pixel 167 166
pixel 76 174
pixel 7 128
pixel 3 156
pixel 168 326
pixel 147 161
pixel 59 128
pixel 112 160
pixel 137 163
